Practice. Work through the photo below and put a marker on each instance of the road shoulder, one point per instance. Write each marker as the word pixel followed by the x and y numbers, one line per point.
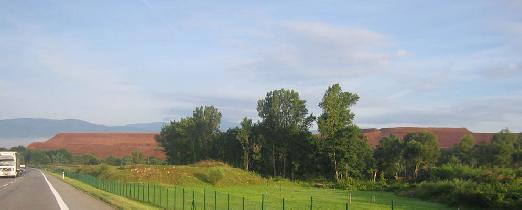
pixel 75 198
pixel 118 202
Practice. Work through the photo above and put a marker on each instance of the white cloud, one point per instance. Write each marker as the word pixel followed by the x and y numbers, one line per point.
pixel 316 50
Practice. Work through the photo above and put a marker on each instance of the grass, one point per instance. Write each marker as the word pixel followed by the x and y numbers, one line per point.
pixel 219 186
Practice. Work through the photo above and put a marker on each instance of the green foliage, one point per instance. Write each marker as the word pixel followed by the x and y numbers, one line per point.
pixel 464 149
pixel 243 137
pixel 38 158
pixel 137 157
pixel 388 155
pixel 352 184
pixel 348 152
pixel 466 193
pixel 86 159
pixel 114 161
pixel 420 150
pixel 191 139
pixel 283 131
pixel 336 111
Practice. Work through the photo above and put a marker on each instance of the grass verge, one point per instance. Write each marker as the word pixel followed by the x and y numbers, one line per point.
pixel 112 199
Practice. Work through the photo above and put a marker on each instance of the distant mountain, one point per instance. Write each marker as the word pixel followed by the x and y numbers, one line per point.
pixel 22 131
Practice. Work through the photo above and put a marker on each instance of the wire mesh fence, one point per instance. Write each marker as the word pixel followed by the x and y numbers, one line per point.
pixel 184 198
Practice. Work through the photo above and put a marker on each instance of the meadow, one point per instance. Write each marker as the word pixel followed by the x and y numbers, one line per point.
pixel 218 186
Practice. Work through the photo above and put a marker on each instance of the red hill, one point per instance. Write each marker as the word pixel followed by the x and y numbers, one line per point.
pixel 447 136
pixel 121 144
pixel 103 144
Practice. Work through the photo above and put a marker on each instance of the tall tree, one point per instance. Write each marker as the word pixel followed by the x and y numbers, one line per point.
pixel 504 143
pixel 243 136
pixel 337 117
pixel 421 149
pixel 205 129
pixel 284 118
pixel 336 114
pixel 388 155
pixel 464 148
pixel 191 139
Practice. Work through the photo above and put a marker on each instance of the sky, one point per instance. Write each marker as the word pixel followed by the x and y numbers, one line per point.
pixel 413 63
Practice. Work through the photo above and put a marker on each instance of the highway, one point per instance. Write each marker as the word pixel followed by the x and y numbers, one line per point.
pixel 33 191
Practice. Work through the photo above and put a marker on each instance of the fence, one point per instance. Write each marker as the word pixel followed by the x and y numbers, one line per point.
pixel 182 198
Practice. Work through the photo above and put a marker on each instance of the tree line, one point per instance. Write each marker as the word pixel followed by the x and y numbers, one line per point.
pixel 281 144
pixel 62 156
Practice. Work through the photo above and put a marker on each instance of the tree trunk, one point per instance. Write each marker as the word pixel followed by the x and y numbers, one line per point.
pixel 346 171
pixel 335 167
pixel 284 166
pixel 416 169
pixel 245 159
pixel 273 160
pixel 374 175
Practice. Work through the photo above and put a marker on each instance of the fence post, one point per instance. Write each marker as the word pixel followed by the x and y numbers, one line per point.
pixel 346 206
pixel 311 202
pixel 63 174
pixel 183 199
pixel 262 201
pixel 215 200
pixel 193 201
pixel 167 197
pixel 283 203
pixel 160 194
pixel 392 205
pixel 243 203
pixel 204 198
pixel 228 201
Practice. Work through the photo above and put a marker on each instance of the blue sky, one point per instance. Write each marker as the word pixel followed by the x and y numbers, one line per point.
pixel 414 63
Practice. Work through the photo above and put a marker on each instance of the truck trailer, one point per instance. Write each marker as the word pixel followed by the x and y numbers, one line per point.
pixel 9 164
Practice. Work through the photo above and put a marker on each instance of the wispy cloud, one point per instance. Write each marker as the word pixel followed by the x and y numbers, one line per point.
pixel 316 50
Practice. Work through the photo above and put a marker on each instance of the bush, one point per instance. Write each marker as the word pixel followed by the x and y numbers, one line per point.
pixel 467 193
pixel 354 185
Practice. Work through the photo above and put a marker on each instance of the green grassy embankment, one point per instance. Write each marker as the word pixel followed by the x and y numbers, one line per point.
pixel 208 179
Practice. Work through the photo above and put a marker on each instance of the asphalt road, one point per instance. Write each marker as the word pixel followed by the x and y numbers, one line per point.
pixel 32 191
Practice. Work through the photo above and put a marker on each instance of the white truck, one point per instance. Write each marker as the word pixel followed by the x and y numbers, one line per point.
pixel 9 164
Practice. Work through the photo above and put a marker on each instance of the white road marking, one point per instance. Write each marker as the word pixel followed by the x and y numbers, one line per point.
pixel 61 203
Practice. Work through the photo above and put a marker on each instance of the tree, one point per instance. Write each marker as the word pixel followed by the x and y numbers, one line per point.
pixel 205 129
pixel 504 147
pixel 388 155
pixel 421 149
pixel 517 154
pixel 191 139
pixel 353 154
pixel 284 120
pixel 337 130
pixel 243 136
pixel 137 157
pixel 464 148
pixel 38 157
pixel 111 160
pixel 336 111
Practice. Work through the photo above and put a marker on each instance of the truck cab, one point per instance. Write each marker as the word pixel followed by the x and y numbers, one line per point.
pixel 9 164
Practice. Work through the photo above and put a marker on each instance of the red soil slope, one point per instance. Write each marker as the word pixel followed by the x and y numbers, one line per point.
pixel 447 136
pixel 103 144
pixel 121 144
